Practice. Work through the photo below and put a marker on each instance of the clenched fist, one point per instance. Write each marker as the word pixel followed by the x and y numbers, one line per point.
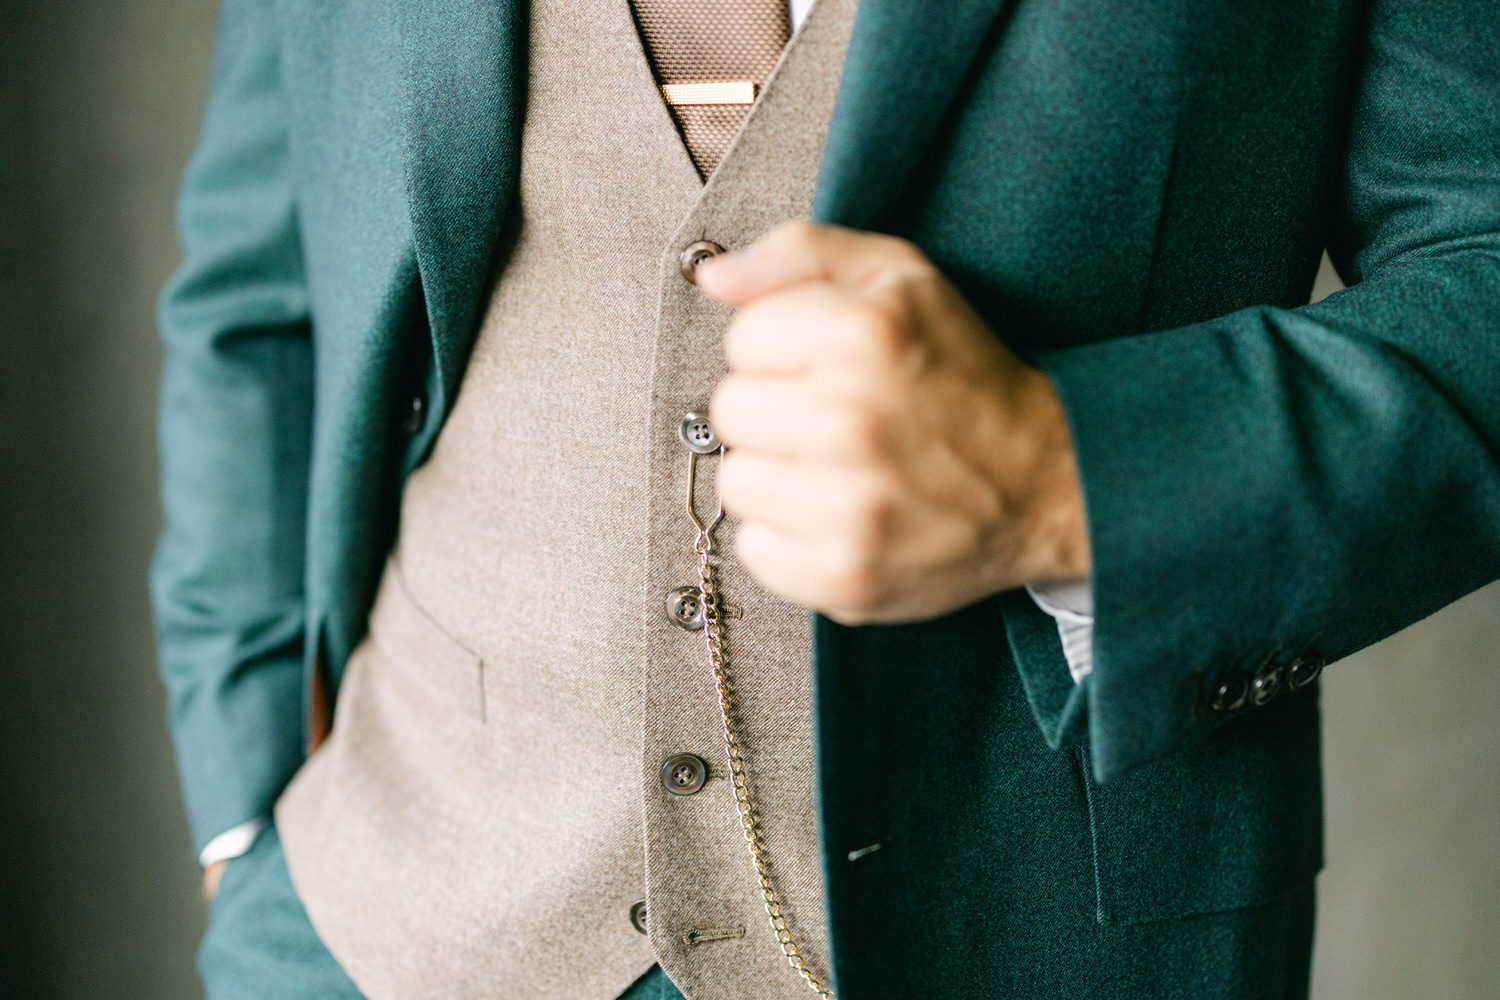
pixel 888 457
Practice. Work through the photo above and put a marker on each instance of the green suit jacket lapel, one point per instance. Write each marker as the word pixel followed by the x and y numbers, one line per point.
pixel 905 65
pixel 463 90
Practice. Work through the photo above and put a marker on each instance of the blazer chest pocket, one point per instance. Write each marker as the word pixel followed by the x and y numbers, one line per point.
pixel 419 655
pixel 1233 822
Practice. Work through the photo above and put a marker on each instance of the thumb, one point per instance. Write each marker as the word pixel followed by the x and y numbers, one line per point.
pixel 800 251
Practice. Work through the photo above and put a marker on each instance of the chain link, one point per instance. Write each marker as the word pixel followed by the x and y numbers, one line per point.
pixel 718 659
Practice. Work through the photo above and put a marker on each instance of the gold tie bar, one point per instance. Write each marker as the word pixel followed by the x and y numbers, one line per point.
pixel 717 92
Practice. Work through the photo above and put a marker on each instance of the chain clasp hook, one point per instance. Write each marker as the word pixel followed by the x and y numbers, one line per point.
pixel 704 541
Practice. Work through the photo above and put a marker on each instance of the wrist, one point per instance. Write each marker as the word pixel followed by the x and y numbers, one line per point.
pixel 1043 486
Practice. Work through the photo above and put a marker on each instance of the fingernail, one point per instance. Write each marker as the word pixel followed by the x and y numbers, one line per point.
pixel 709 264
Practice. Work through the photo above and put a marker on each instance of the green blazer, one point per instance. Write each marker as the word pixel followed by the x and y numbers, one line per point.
pixel 1135 194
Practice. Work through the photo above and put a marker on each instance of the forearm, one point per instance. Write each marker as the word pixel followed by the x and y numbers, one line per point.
pixel 235 424
pixel 1280 481
pixel 1333 480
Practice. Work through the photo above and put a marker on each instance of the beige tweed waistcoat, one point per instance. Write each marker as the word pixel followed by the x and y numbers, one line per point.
pixel 489 804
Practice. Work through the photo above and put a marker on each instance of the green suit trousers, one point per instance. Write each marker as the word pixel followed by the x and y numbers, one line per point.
pixel 260 943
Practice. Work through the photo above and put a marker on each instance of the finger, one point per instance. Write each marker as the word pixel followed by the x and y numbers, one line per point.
pixel 795 418
pixel 806 499
pixel 800 251
pixel 814 324
pixel 783 563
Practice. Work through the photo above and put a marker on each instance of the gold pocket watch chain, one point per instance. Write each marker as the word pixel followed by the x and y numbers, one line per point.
pixel 718 659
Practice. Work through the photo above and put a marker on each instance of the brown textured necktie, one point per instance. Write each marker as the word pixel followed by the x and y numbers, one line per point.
pixel 710 58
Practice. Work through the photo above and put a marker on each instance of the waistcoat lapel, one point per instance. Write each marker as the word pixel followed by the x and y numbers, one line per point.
pixel 464 65
pixel 906 61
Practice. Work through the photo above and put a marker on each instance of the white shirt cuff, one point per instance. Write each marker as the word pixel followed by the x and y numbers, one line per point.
pixel 232 842
pixel 1071 604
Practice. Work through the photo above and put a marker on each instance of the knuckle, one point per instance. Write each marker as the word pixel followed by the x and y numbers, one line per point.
pixel 887 327
pixel 859 430
pixel 755 550
pixel 794 234
pixel 733 341
pixel 722 410
pixel 747 548
pixel 852 581
pixel 802 229
pixel 903 251
pixel 850 616
pixel 745 331
pixel 867 519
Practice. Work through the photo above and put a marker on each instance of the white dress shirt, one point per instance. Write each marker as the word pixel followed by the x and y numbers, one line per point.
pixel 1071 603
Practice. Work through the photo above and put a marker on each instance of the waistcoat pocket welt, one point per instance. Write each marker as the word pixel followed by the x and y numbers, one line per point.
pixel 421 652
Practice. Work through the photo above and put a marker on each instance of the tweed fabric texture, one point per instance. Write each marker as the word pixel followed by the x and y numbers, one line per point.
pixel 700 41
pixel 488 805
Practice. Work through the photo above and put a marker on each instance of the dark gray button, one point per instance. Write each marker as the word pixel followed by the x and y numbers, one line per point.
pixel 1303 671
pixel 638 915
pixel 684 774
pixel 696 253
pixel 416 413
pixel 1231 693
pixel 685 608
pixel 698 434
pixel 1267 685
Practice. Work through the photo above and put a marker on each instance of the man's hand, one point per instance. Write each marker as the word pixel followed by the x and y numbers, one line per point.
pixel 888 457
pixel 211 876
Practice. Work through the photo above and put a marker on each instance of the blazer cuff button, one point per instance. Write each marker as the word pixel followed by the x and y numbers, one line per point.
pixel 1231 694
pixel 1267 685
pixel 1303 671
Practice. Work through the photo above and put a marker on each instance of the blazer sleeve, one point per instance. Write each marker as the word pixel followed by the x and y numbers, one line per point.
pixel 234 429
pixel 1305 481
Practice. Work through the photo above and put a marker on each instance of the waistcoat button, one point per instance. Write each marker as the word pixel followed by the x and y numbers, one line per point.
pixel 638 915
pixel 698 434
pixel 684 774
pixel 696 253
pixel 685 608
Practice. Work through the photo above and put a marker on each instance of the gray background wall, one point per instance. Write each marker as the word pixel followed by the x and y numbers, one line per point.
pixel 98 107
